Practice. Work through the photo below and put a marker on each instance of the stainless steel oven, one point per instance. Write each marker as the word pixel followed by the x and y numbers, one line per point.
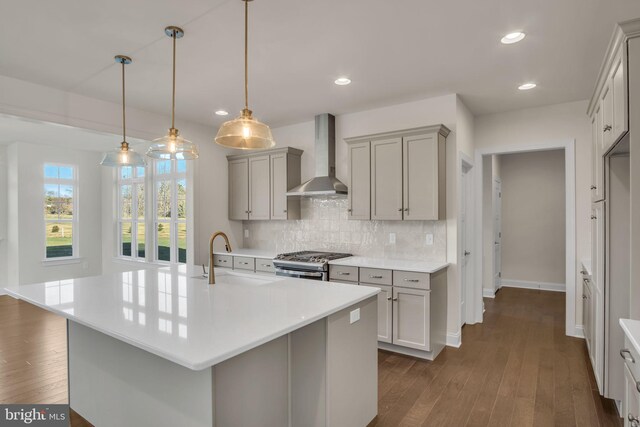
pixel 313 265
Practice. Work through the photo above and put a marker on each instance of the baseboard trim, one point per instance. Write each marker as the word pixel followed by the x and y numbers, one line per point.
pixel 488 293
pixel 454 340
pixel 579 331
pixel 2 292
pixel 542 286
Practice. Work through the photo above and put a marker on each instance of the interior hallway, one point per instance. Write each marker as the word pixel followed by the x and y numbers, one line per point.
pixel 518 368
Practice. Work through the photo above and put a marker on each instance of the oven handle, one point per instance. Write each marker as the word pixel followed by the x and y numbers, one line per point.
pixel 298 273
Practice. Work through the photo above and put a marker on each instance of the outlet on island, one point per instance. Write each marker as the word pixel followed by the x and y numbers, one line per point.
pixel 392 238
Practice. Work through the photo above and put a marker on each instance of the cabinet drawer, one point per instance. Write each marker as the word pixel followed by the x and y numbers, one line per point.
pixel 244 263
pixel 223 260
pixel 410 279
pixel 343 272
pixel 375 276
pixel 265 265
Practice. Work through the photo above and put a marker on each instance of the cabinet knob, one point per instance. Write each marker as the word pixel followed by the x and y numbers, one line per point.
pixel 395 299
pixel 633 419
pixel 400 210
pixel 246 212
pixel 593 187
pixel 374 277
pixel 607 128
pixel 284 211
pixel 406 209
pixel 584 297
pixel 594 217
pixel 626 355
pixel 389 299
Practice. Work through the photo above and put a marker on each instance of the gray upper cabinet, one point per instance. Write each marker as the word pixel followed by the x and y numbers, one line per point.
pixel 239 189
pixel 259 181
pixel 285 175
pixel 620 91
pixel 259 191
pixel 423 177
pixel 386 179
pixel 360 181
pixel 404 177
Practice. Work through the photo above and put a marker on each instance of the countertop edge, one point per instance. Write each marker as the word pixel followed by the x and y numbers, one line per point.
pixel 197 366
pixel 373 264
pixel 234 253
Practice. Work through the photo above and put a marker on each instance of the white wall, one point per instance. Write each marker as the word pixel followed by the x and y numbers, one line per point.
pixel 550 124
pixel 533 217
pixel 26 211
pixel 3 217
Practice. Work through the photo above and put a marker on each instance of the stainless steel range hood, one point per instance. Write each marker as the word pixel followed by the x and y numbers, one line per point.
pixel 325 183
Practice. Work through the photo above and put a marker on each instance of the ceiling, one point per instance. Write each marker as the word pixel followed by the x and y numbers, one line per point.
pixel 16 129
pixel 393 51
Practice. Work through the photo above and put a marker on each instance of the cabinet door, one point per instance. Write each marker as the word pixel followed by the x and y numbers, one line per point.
pixel 239 189
pixel 597 246
pixel 619 85
pixel 411 318
pixel 279 186
pixel 385 312
pixel 607 117
pixel 259 197
pixel 386 179
pixel 631 408
pixel 420 177
pixel 594 156
pixel 586 315
pixel 598 192
pixel 360 181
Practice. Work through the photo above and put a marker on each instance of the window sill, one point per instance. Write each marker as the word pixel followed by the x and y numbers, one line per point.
pixel 51 262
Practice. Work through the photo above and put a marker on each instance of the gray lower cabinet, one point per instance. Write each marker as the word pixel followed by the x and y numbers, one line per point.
pixel 411 318
pixel 385 312
pixel 407 175
pixel 258 183
pixel 239 189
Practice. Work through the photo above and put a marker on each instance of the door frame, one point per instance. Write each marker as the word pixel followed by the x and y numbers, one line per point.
pixel 571 269
pixel 496 180
pixel 466 163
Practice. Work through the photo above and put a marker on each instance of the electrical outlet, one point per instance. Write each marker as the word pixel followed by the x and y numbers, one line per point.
pixel 429 239
pixel 246 233
pixel 392 238
pixel 354 316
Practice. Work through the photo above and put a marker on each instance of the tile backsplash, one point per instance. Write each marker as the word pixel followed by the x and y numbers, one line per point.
pixel 324 226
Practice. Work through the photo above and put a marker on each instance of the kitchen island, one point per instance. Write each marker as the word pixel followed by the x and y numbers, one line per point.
pixel 161 347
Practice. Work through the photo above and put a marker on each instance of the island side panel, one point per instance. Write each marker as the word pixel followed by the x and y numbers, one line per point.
pixel 438 312
pixel 252 389
pixel 352 366
pixel 112 383
pixel 308 375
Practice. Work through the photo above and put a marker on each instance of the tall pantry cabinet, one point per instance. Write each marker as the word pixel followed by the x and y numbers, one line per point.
pixel 614 112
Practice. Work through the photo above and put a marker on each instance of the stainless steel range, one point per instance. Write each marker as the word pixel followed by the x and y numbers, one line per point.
pixel 312 265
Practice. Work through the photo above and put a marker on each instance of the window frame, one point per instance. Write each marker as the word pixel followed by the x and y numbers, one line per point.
pixel 134 181
pixel 173 176
pixel 74 221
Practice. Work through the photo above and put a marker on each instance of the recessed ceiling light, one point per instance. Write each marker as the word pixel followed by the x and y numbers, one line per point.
pixel 514 37
pixel 222 113
pixel 527 86
pixel 342 81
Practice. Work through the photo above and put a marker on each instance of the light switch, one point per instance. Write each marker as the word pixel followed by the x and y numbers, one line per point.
pixel 354 316
pixel 392 238
pixel 429 239
pixel 246 233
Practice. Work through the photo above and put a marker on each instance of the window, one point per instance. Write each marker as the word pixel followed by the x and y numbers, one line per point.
pixel 131 212
pixel 170 213
pixel 60 211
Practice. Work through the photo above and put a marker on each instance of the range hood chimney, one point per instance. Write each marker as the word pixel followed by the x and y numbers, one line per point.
pixel 325 183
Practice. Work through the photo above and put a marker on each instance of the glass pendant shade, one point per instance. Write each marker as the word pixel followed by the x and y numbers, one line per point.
pixel 173 146
pixel 245 133
pixel 123 156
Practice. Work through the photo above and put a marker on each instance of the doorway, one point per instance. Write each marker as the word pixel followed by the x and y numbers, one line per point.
pixel 570 271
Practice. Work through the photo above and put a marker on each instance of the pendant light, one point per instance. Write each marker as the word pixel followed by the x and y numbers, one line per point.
pixel 245 132
pixel 123 156
pixel 173 146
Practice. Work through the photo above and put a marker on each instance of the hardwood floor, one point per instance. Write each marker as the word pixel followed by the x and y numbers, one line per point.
pixel 517 368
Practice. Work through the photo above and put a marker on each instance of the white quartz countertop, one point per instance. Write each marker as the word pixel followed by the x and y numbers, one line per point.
pixel 631 329
pixel 392 264
pixel 254 253
pixel 174 313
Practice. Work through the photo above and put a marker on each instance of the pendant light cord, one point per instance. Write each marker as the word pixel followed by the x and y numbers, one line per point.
pixel 246 50
pixel 173 99
pixel 124 120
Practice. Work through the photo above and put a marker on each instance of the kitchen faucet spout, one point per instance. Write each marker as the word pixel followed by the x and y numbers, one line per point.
pixel 227 246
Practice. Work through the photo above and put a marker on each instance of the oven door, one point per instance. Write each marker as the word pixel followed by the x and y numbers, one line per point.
pixel 300 274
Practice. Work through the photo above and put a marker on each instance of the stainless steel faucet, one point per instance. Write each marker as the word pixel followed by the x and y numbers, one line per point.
pixel 227 246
